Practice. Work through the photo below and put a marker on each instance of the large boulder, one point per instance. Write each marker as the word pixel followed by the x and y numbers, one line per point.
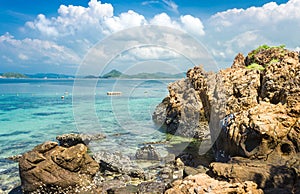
pixel 49 167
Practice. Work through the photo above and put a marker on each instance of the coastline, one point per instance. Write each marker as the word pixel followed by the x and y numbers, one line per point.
pixel 250 114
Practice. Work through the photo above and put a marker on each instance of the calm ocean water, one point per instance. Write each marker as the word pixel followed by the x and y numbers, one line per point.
pixel 32 112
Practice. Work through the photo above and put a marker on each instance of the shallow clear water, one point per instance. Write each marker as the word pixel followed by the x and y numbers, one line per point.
pixel 32 112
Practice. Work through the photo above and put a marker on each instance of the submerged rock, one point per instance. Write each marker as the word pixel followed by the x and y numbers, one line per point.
pixel 52 168
pixel 68 140
pixel 147 153
pixel 118 163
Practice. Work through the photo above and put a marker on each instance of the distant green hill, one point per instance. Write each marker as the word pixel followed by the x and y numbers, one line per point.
pixel 113 74
pixel 13 75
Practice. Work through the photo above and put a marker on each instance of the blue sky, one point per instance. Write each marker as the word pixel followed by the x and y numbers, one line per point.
pixel 55 35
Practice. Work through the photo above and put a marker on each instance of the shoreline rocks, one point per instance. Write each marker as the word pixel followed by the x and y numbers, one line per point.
pixel 253 111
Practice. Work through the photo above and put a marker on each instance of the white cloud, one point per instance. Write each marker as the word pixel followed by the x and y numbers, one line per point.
pixel 241 30
pixel 164 20
pixel 125 20
pixel 192 25
pixel 66 38
pixel 23 57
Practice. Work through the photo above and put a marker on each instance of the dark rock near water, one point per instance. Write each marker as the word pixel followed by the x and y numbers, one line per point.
pixel 147 153
pixel 49 167
pixel 118 163
pixel 15 158
pixel 68 140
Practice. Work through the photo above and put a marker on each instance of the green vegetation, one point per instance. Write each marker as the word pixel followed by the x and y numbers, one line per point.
pixel 113 74
pixel 13 75
pixel 273 61
pixel 265 47
pixel 255 66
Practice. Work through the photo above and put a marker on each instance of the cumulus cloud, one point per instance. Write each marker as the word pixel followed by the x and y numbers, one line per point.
pixel 67 37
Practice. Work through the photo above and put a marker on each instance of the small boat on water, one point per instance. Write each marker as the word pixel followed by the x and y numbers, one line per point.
pixel 114 93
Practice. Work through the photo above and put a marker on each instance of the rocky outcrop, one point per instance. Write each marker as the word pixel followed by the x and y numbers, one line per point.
pixel 202 183
pixel 52 168
pixel 253 111
pixel 182 113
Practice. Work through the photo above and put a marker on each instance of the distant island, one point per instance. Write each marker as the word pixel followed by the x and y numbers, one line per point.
pixel 113 74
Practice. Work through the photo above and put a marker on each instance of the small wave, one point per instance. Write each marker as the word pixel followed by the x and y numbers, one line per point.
pixel 14 133
pixel 47 113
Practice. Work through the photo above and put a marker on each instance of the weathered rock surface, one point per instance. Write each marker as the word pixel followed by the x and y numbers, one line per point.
pixel 268 176
pixel 68 140
pixel 49 167
pixel 182 111
pixel 202 183
pixel 147 153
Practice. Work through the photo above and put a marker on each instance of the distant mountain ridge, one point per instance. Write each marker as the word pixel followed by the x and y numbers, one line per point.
pixel 113 74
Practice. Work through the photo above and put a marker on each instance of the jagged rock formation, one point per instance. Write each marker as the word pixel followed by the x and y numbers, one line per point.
pixel 182 111
pixel 253 111
pixel 52 168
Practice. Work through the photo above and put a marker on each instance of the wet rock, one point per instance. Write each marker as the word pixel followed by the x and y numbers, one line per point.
pixel 49 167
pixel 151 187
pixel 202 183
pixel 15 158
pixel 118 163
pixel 147 153
pixel 190 171
pixel 68 140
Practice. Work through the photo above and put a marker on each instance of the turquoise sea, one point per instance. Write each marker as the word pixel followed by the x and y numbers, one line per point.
pixel 33 111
